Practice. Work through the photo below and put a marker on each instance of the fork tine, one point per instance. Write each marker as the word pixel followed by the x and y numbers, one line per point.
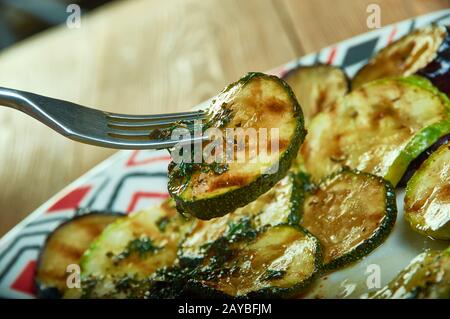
pixel 143 140
pixel 130 144
pixel 154 117
pixel 129 133
pixel 146 124
pixel 132 134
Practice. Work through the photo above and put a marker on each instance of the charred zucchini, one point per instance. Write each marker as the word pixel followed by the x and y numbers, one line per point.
pixel 424 52
pixel 414 165
pixel 257 101
pixel 427 200
pixel 63 247
pixel 278 261
pixel 351 213
pixel 379 128
pixel 130 251
pixel 279 205
pixel 426 277
pixel 318 87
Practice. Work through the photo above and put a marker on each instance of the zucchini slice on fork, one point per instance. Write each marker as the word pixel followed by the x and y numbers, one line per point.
pixel 424 52
pixel 427 200
pixel 351 213
pixel 379 128
pixel 254 103
pixel 279 261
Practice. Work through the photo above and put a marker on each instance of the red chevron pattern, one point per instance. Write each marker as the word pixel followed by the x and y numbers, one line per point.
pixel 332 55
pixel 392 35
pixel 140 195
pixel 136 160
pixel 71 200
pixel 24 283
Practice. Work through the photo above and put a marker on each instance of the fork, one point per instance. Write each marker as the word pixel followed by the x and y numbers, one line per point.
pixel 90 126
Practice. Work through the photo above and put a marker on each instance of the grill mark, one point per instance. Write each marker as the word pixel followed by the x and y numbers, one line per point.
pixel 275 105
pixel 65 250
pixel 92 227
pixel 46 275
pixel 256 90
pixel 320 102
pixel 227 180
pixel 168 208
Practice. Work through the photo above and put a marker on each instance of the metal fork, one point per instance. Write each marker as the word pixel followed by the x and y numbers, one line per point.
pixel 87 125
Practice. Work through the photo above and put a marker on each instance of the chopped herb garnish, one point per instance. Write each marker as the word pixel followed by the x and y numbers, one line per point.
pixel 125 283
pixel 272 274
pixel 162 223
pixel 141 247
pixel 88 284
pixel 242 229
pixel 220 118
pixel 185 169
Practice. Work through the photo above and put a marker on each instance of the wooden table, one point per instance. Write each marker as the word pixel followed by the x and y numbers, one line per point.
pixel 146 56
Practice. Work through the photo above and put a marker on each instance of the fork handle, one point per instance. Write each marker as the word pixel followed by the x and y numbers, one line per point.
pixel 14 99
pixel 20 101
pixel 29 103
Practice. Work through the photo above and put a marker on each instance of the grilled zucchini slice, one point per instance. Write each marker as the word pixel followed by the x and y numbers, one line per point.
pixel 257 101
pixel 415 164
pixel 64 247
pixel 131 249
pixel 317 87
pixel 426 277
pixel 427 199
pixel 279 205
pixel 351 213
pixel 424 52
pixel 379 128
pixel 279 261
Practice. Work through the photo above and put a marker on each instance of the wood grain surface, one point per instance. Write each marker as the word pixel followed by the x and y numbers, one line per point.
pixel 149 56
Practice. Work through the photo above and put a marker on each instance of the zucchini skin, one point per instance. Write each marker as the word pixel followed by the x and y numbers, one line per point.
pixel 223 204
pixel 438 71
pixel 275 292
pixel 252 217
pixel 429 171
pixel 423 139
pixel 414 165
pixel 419 60
pixel 426 277
pixel 46 290
pixel 196 287
pixel 301 185
pixel 378 238
pixel 383 229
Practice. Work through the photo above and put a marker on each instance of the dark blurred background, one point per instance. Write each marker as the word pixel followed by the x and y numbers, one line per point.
pixel 20 19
